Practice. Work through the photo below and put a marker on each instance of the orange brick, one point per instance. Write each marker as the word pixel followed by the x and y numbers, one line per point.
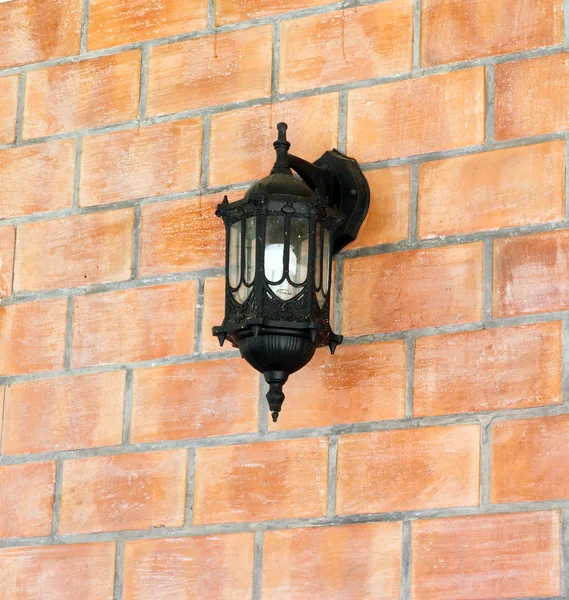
pixel 26 494
pixel 408 469
pixel 76 251
pixel 412 290
pixel 216 567
pixel 211 70
pixel 213 311
pixel 61 571
pixel 37 30
pixel 37 178
pixel 63 414
pixel 259 482
pixel 127 491
pixel 194 400
pixel 352 561
pixel 496 369
pixel 488 556
pixel 134 325
pixel 530 460
pixel 127 21
pixel 8 106
pixel 242 140
pixel 531 96
pixel 417 116
pixel 233 11
pixel 142 162
pixel 184 235
pixel 81 95
pixel 505 188
pixel 347 45
pixel 358 384
pixel 530 274
pixel 457 30
pixel 32 336
pixel 387 220
pixel 7 240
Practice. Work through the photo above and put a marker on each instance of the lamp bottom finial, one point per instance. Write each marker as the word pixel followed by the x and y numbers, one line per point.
pixel 275 398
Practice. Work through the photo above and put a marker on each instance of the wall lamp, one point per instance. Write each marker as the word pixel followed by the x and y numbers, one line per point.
pixel 280 241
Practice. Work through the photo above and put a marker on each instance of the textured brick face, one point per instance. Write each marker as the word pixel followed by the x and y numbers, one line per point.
pixel 232 11
pixel 142 162
pixel 475 558
pixel 346 45
pixel 129 491
pixel 108 327
pixel 112 23
pixel 358 383
pixel 185 235
pixel 70 570
pixel 210 568
pixel 416 116
pixel 456 30
pixel 8 107
pixel 411 290
pixel 414 469
pixel 530 274
pixel 259 482
pixel 505 188
pixel 217 69
pixel 38 30
pixel 92 93
pixel 358 561
pixel 32 336
pixel 529 460
pixel 26 494
pixel 76 251
pixel 63 413
pixel 496 369
pixel 37 178
pixel 241 140
pixel 532 96
pixel 7 242
pixel 387 220
pixel 194 400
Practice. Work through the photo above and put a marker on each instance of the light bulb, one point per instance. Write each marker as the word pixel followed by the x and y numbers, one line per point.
pixel 274 266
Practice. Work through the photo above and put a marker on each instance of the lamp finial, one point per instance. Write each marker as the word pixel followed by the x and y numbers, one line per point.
pixel 282 146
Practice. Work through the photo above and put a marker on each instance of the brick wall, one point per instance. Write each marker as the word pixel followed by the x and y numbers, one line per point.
pixel 429 459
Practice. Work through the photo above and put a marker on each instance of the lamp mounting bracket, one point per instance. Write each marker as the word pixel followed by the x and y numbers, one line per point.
pixel 340 178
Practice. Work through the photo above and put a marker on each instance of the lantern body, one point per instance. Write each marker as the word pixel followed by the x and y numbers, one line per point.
pixel 280 239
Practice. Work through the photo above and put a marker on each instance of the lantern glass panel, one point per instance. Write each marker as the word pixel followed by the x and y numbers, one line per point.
pixel 250 249
pixel 298 256
pixel 326 262
pixel 318 257
pixel 234 271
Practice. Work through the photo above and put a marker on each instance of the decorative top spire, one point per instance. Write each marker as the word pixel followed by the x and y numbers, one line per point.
pixel 282 147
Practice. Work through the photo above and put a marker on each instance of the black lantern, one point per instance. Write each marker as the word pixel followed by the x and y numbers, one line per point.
pixel 280 240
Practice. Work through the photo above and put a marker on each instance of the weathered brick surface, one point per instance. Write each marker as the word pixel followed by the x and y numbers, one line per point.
pixel 38 30
pixel 259 482
pixel 7 243
pixel 26 496
pixel 76 251
pixel 431 467
pixel 216 69
pixel 456 30
pixel 142 162
pixel 37 179
pixel 127 491
pixel 8 108
pixel 490 556
pixel 91 93
pixel 411 290
pixel 351 44
pixel 216 567
pixel 64 413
